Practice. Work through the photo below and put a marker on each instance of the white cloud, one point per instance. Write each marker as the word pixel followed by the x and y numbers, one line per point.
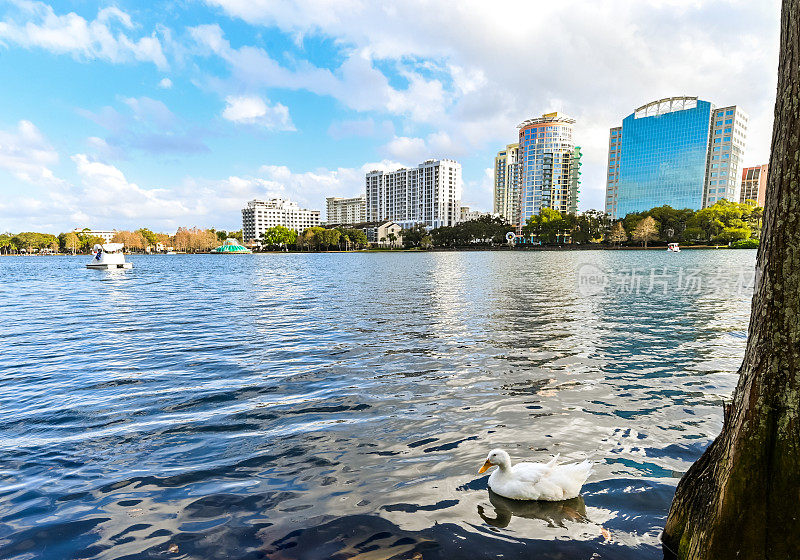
pixel 148 125
pixel 360 127
pixel 407 149
pixel 103 195
pixel 250 109
pixel 104 38
pixel 151 110
pixel 106 193
pixel 165 83
pixel 27 155
pixel 357 83
pixel 109 199
pixel 476 70
pixel 414 150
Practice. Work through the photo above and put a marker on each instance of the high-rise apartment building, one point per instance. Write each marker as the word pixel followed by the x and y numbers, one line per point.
pixel 429 194
pixel 727 141
pixel 754 184
pixel 612 181
pixel 262 214
pixel 677 151
pixel 549 175
pixel 346 211
pixel 506 183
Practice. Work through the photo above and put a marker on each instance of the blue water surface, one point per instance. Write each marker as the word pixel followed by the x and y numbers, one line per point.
pixel 318 406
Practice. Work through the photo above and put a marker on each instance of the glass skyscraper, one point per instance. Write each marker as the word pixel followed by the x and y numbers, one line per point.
pixel 549 174
pixel 669 152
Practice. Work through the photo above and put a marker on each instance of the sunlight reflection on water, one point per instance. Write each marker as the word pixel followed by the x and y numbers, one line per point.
pixel 315 405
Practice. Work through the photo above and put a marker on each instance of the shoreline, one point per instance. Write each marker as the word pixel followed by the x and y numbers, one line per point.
pixel 417 250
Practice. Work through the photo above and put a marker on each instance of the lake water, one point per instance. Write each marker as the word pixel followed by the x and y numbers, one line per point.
pixel 318 406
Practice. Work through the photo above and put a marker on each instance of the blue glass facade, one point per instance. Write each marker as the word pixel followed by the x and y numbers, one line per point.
pixel 663 160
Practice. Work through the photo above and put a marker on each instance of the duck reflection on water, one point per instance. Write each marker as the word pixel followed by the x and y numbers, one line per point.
pixel 555 514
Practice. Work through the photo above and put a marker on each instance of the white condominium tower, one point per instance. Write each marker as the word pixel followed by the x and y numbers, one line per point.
pixel 346 211
pixel 262 214
pixel 429 194
pixel 506 183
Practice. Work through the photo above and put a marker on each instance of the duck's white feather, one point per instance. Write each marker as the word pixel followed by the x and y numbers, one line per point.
pixel 540 481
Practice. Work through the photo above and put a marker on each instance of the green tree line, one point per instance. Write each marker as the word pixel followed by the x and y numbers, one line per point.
pixel 279 238
pixel 28 242
pixel 484 231
pixel 738 224
pixel 142 239
pixel 724 222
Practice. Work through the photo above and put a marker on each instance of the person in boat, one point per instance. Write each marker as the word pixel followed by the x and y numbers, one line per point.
pixel 99 253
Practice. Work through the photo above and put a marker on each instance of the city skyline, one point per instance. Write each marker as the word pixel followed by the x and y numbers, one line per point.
pixel 167 115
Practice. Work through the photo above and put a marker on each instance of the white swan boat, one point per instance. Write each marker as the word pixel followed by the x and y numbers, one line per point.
pixel 673 248
pixel 108 256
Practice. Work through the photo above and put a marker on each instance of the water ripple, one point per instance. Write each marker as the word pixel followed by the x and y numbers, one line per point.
pixel 338 406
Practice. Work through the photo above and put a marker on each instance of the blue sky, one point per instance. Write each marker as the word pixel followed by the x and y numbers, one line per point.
pixel 162 114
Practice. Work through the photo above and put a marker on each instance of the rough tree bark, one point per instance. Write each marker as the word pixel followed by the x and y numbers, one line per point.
pixel 741 499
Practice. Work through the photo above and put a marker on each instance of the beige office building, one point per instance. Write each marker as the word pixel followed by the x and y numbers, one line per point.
pixel 506 183
pixel 726 150
pixel 259 215
pixel 346 211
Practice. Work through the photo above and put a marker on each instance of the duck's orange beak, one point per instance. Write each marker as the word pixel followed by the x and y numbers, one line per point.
pixel 485 467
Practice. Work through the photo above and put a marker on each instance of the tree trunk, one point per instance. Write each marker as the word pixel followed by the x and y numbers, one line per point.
pixel 741 499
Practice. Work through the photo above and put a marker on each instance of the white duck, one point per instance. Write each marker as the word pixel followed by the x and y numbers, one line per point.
pixel 535 481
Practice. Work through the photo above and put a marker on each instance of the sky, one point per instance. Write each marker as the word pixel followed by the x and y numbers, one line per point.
pixel 162 114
